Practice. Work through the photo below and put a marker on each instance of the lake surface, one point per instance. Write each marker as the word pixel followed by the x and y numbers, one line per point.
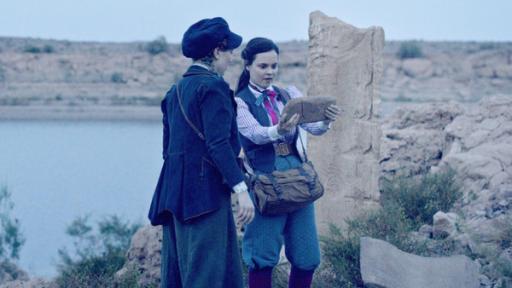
pixel 57 171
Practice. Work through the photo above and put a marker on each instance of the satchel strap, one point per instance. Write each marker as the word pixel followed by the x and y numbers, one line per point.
pixel 276 186
pixel 311 180
pixel 199 134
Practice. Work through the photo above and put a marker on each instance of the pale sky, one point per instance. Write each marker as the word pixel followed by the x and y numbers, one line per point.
pixel 131 20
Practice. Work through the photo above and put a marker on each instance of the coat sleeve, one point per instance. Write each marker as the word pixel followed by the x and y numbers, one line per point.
pixel 165 137
pixel 217 113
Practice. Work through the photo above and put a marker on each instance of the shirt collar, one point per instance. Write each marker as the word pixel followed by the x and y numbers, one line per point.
pixel 257 93
pixel 201 65
pixel 258 97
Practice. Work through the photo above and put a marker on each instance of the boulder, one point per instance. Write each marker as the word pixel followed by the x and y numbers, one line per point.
pixel 413 138
pixel 417 68
pixel 445 224
pixel 143 256
pixel 384 265
pixel 426 231
pixel 346 62
pixel 506 256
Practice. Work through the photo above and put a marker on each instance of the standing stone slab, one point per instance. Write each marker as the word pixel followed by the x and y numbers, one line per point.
pixel 346 62
pixel 384 265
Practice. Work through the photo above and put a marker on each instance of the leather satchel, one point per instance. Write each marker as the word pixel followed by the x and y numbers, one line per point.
pixel 283 192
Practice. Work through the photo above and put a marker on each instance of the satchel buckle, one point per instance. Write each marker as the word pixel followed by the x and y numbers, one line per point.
pixel 282 149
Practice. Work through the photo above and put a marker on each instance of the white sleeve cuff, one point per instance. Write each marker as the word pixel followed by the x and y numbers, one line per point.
pixel 326 125
pixel 240 187
pixel 272 133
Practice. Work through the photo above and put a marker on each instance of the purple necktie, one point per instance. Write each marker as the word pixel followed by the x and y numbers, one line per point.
pixel 271 98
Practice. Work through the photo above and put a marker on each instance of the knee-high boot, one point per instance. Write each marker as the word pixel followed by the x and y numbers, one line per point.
pixel 300 278
pixel 260 278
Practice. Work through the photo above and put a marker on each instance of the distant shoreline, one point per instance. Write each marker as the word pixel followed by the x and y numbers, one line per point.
pixel 92 113
pixel 126 113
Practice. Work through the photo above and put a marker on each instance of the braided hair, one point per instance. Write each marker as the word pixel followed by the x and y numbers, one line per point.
pixel 255 46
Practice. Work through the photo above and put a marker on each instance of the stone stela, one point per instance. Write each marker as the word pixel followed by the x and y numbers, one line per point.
pixel 346 62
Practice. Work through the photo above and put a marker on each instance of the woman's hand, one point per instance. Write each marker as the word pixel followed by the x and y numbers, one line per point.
pixel 332 112
pixel 284 127
pixel 245 208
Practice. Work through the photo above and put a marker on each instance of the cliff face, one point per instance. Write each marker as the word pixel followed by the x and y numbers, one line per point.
pixel 41 74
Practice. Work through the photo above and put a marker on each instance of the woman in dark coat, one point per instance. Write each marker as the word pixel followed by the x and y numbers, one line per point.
pixel 270 143
pixel 200 147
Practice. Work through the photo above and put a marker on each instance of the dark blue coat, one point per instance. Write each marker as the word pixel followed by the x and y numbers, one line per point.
pixel 197 173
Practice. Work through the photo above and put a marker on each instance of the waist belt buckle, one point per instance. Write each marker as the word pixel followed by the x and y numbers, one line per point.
pixel 282 149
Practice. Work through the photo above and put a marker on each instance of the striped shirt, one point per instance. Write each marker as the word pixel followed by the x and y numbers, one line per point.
pixel 250 128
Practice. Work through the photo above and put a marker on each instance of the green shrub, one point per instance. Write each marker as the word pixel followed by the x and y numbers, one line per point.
pixel 488 46
pixel 98 253
pixel 402 98
pixel 420 199
pixel 341 252
pixel 11 238
pixel 409 49
pixel 35 49
pixel 157 46
pixel 406 205
pixel 2 74
pixel 32 49
pixel 48 48
pixel 505 267
pixel 117 77
pixel 505 239
pixel 341 249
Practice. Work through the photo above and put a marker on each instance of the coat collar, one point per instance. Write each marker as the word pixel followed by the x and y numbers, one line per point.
pixel 195 70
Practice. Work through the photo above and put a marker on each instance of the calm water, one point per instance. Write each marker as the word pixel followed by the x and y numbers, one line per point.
pixel 57 171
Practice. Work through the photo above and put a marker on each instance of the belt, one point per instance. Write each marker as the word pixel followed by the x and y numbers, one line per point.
pixel 283 149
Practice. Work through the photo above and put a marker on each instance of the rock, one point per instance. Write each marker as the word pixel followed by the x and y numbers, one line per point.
pixel 410 152
pixel 424 116
pixel 485 282
pixel 504 71
pixel 416 67
pixel 143 256
pixel 346 62
pixel 384 265
pixel 465 242
pixel 413 139
pixel 503 282
pixel 506 256
pixel 426 230
pixel 445 224
pixel 310 109
pixel 485 230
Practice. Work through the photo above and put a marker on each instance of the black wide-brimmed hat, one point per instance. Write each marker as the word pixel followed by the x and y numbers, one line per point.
pixel 204 36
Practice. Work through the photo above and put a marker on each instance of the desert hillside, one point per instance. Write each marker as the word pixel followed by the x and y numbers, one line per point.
pixel 42 78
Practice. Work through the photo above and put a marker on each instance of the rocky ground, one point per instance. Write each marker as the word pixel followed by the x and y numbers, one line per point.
pixel 62 79
pixel 476 141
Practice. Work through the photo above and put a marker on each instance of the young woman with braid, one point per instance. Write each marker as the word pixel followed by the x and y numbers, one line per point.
pixel 271 144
